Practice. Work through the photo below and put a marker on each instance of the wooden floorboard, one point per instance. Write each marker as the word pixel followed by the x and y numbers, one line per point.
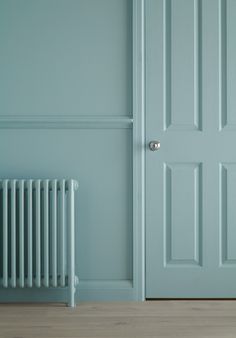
pixel 121 319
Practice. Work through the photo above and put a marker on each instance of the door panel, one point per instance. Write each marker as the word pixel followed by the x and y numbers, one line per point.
pixel 176 221
pixel 181 30
pixel 227 63
pixel 228 213
pixel 191 179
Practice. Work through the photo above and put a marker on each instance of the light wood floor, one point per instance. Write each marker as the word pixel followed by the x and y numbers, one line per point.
pixel 123 320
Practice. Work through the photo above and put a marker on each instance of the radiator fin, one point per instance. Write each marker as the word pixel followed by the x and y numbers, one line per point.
pixel 62 233
pixel 46 241
pixel 5 233
pixel 38 235
pixel 30 235
pixel 13 233
pixel 21 235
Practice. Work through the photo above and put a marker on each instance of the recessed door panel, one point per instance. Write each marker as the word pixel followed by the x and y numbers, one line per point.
pixel 181 50
pixel 228 213
pixel 227 14
pixel 182 191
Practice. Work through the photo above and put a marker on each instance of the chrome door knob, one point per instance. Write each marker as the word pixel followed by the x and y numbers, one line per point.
pixel 154 145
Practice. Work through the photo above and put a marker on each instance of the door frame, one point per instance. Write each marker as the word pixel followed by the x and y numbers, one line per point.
pixel 139 149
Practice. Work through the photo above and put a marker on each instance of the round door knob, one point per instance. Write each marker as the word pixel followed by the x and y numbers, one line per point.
pixel 154 145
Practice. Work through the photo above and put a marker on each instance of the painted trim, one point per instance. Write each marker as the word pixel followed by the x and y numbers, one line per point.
pixel 96 290
pixel 139 149
pixel 65 122
pixel 93 290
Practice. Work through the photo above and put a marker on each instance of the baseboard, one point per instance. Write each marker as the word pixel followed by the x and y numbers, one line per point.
pixel 87 291
pixel 106 290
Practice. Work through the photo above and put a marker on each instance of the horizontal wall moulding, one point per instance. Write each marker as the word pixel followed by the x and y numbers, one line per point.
pixel 65 122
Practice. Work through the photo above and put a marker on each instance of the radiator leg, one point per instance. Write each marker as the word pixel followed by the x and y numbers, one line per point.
pixel 71 302
pixel 71 245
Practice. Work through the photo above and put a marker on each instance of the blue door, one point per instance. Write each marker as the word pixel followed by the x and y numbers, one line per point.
pixel 191 178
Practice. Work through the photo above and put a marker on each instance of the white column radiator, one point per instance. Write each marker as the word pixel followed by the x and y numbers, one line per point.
pixel 37 234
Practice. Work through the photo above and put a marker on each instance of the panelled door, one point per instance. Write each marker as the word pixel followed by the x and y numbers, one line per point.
pixel 191 177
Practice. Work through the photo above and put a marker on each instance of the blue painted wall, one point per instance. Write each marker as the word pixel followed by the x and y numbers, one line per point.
pixel 65 104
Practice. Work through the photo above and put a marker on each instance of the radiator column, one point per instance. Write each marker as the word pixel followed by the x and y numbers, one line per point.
pixel 21 235
pixel 71 243
pixel 5 233
pixel 46 229
pixel 30 235
pixel 13 233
